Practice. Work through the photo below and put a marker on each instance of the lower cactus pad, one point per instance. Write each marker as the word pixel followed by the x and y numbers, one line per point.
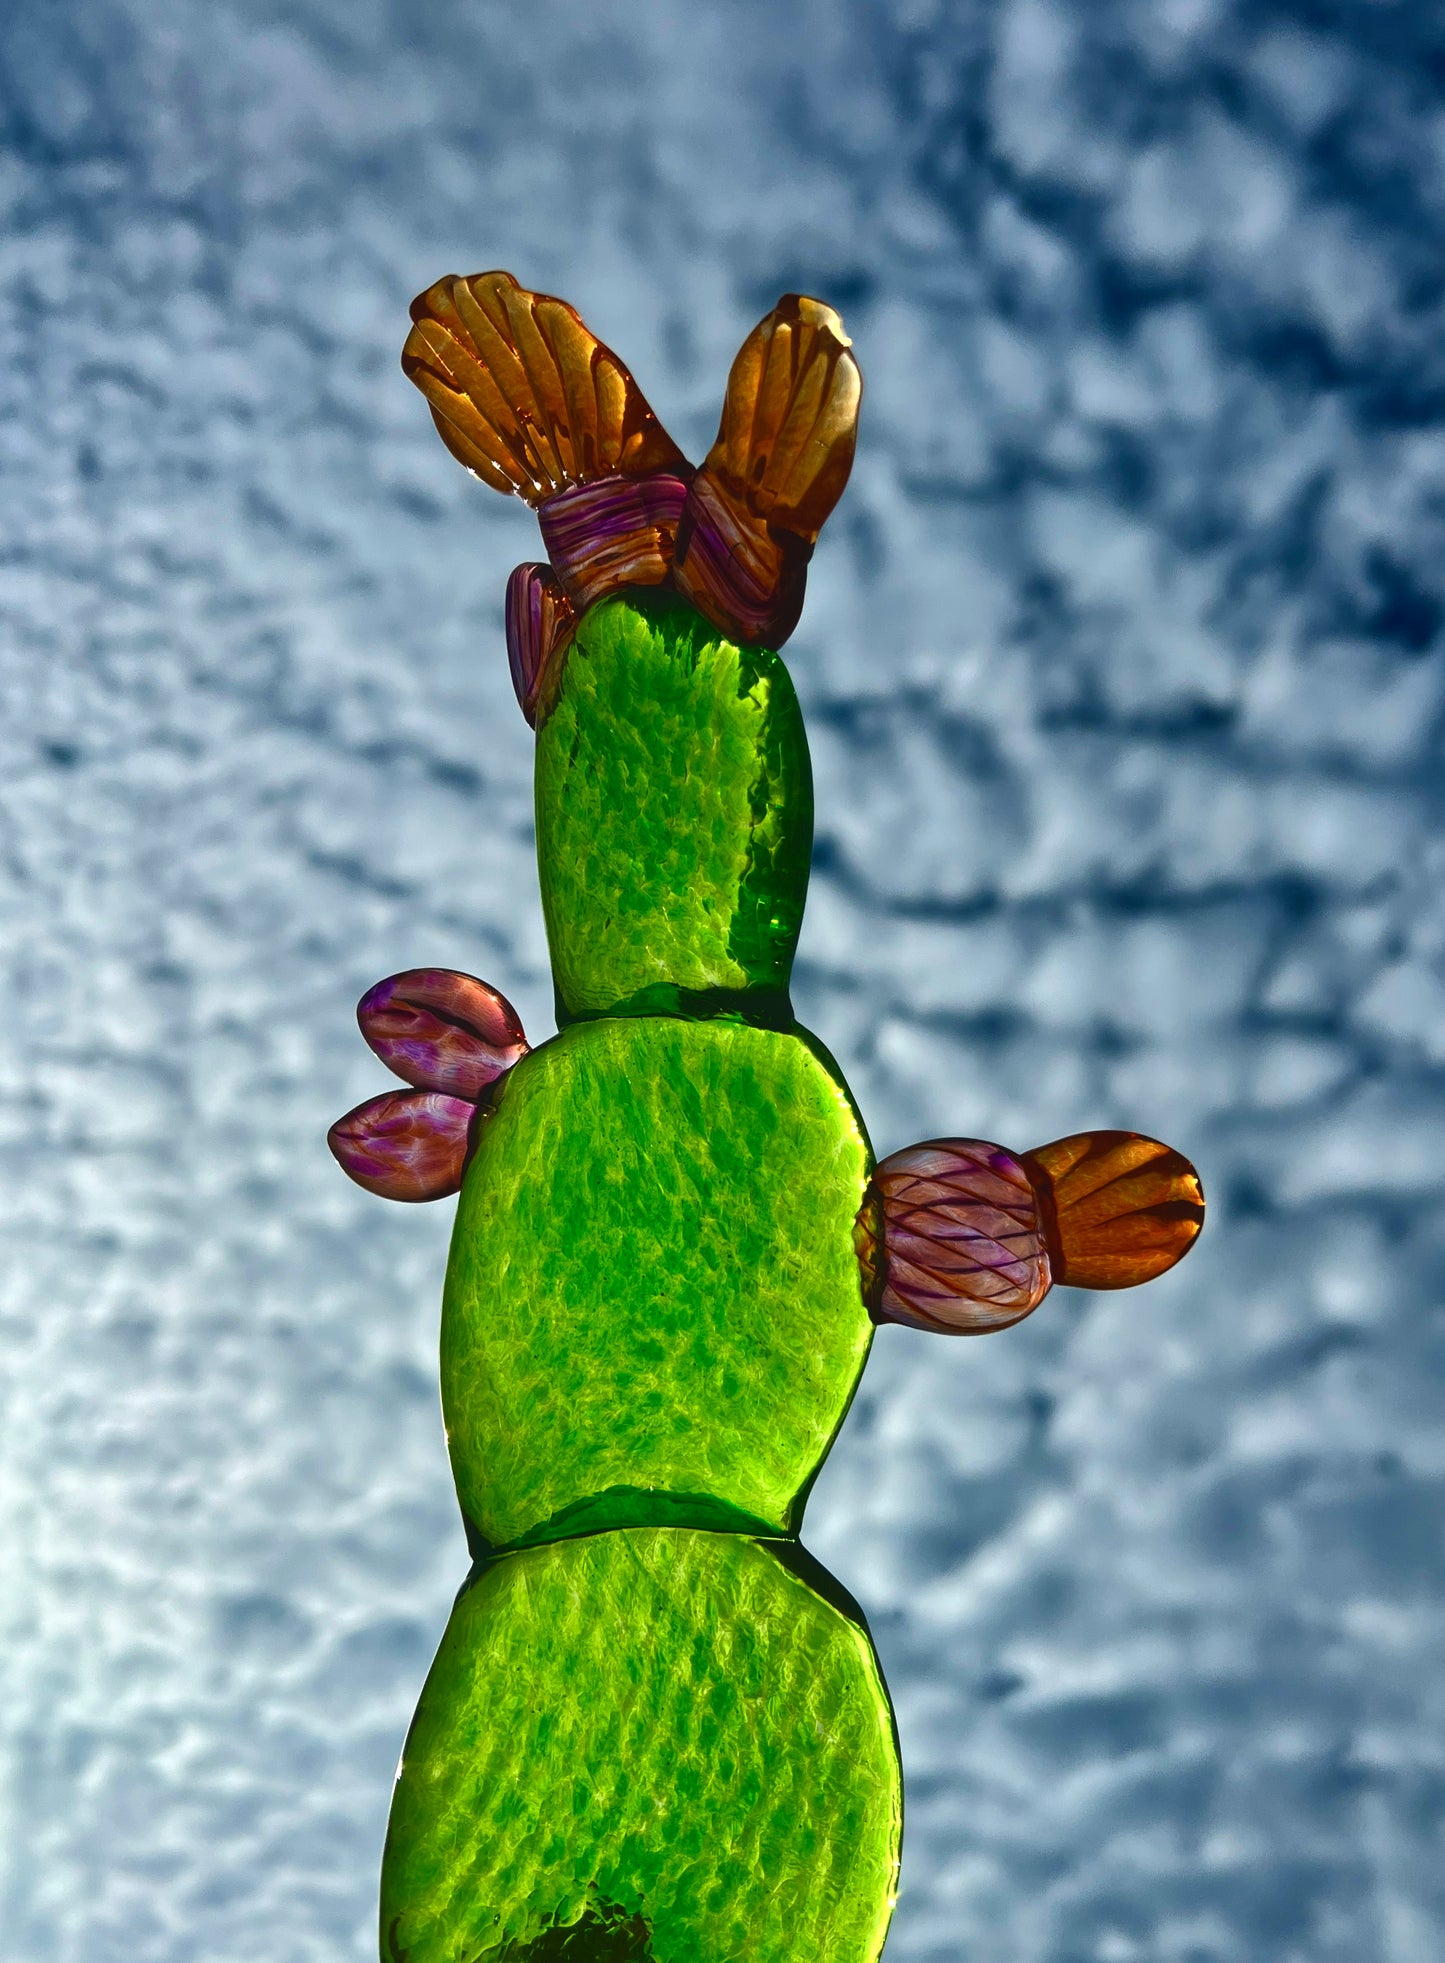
pixel 655 1744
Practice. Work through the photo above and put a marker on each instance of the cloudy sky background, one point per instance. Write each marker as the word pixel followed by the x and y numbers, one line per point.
pixel 1122 663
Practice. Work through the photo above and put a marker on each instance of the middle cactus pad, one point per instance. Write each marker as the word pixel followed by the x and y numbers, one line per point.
pixel 653 1310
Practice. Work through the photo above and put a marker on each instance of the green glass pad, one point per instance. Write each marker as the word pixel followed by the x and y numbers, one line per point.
pixel 674 813
pixel 653 1309
pixel 653 1743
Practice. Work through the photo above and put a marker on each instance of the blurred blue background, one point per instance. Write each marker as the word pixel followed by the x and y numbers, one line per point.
pixel 1122 662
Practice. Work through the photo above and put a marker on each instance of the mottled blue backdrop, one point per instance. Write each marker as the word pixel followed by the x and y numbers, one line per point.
pixel 1123 667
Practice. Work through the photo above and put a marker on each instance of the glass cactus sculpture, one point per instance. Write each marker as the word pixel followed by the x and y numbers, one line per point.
pixel 655 1727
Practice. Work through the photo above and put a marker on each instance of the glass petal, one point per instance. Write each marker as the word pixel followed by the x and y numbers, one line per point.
pixel 1125 1208
pixel 524 394
pixel 790 418
pixel 782 456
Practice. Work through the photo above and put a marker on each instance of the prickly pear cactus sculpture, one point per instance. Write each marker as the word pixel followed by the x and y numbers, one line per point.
pixel 655 1727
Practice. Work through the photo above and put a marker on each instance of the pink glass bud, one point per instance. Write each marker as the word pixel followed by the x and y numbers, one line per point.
pixel 442 1031
pixel 962 1240
pixel 540 623
pixel 406 1145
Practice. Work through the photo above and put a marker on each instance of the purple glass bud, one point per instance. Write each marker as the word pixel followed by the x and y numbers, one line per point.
pixel 406 1145
pixel 614 532
pixel 962 1240
pixel 442 1031
pixel 540 623
pixel 746 575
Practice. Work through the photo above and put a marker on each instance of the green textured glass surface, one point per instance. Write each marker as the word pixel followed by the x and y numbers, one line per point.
pixel 653 1308
pixel 674 813
pixel 650 1743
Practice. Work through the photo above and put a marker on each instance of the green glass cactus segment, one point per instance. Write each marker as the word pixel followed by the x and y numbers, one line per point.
pixel 653 1309
pixel 674 813
pixel 657 1744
